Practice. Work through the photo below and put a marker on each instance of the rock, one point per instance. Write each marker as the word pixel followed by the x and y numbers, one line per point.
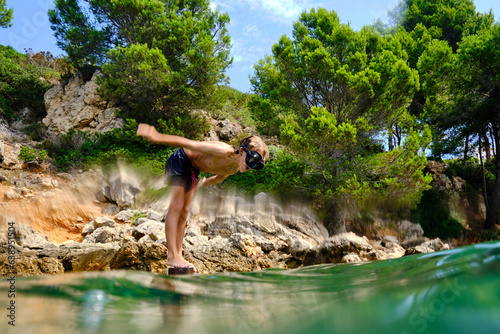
pixel 154 215
pixel 228 130
pixel 409 231
pixel 103 234
pixel 148 256
pixel 47 183
pixel 104 221
pixel 76 104
pixel 442 182
pixel 9 156
pixel 436 167
pixel 12 194
pixel 154 229
pixel 351 258
pixel 126 215
pixel 3 178
pixel 429 246
pixel 457 182
pixel 123 187
pixel 88 229
pixel 392 251
pixel 390 238
pixel 65 176
pixel 27 237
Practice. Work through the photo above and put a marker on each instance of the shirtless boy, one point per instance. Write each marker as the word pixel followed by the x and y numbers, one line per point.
pixel 183 168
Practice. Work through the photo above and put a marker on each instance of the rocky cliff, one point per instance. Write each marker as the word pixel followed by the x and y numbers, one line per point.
pixel 77 104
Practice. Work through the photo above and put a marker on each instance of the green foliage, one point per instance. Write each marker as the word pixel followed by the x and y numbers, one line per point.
pixel 454 19
pixel 433 215
pixel 136 216
pixel 159 58
pixel 327 64
pixel 5 15
pixel 76 149
pixel 20 84
pixel 472 173
pixel 28 154
pixel 232 105
pixel 338 156
pixel 283 175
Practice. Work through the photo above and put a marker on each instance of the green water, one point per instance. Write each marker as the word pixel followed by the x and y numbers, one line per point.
pixel 454 291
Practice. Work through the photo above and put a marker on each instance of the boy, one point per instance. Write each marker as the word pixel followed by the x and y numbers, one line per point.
pixel 183 168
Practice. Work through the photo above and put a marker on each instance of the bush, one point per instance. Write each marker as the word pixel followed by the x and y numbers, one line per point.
pixel 433 215
pixel 472 172
pixel 28 154
pixel 78 149
pixel 21 85
pixel 283 175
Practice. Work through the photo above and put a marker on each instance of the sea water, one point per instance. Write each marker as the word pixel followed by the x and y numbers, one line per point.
pixel 453 291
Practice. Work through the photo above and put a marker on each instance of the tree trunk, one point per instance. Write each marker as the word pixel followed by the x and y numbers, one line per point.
pixel 390 142
pixel 487 148
pixel 485 190
pixel 466 150
pixel 493 146
pixel 492 211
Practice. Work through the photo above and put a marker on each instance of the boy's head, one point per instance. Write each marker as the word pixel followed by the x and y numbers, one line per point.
pixel 255 144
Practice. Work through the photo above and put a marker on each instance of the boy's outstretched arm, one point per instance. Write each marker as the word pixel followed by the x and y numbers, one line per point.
pixel 149 133
pixel 216 179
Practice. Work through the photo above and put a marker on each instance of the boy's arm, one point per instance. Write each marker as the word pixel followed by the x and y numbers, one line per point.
pixel 149 133
pixel 216 179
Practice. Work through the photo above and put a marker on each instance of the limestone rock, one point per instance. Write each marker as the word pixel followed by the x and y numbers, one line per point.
pixel 408 231
pixel 27 237
pixel 13 194
pixel 9 156
pixel 76 104
pixel 228 130
pixel 122 188
pixel 154 229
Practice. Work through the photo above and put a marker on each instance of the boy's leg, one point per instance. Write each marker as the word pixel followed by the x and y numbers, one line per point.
pixel 172 226
pixel 181 223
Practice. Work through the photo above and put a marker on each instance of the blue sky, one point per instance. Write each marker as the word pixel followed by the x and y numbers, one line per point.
pixel 255 25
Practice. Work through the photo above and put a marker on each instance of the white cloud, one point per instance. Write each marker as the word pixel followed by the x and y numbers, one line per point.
pixel 283 11
pixel 251 30
pixel 288 9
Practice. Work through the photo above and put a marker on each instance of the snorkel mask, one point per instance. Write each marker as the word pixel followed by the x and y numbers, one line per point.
pixel 253 159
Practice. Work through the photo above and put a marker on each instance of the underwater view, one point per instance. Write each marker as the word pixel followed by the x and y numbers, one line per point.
pixel 452 291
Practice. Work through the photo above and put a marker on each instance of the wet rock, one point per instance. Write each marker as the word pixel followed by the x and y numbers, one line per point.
pixel 351 258
pixel 429 246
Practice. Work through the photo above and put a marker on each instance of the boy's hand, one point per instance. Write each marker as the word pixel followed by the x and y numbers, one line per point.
pixel 147 131
pixel 201 183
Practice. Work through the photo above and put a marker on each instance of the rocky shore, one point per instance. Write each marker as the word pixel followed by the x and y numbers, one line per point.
pixel 224 233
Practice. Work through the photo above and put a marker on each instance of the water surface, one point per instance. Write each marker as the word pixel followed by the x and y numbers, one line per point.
pixel 453 291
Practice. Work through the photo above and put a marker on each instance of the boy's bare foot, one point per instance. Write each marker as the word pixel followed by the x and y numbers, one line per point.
pixel 180 263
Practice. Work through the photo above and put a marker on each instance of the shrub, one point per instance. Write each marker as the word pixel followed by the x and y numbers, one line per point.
pixel 433 215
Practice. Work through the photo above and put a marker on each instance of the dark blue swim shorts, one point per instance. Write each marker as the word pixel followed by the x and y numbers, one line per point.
pixel 180 171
